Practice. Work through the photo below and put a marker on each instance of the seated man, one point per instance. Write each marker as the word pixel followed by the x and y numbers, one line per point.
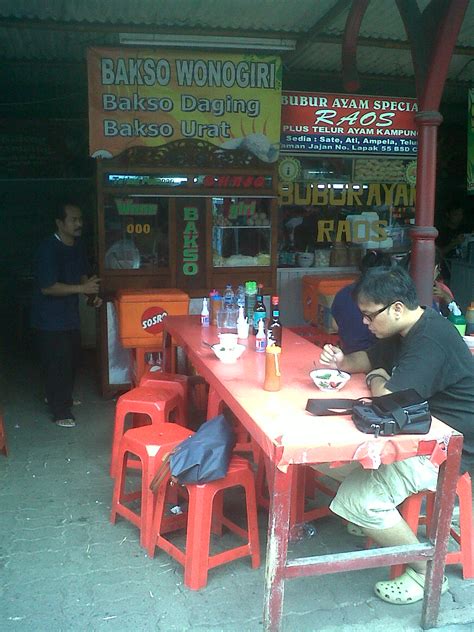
pixel 416 348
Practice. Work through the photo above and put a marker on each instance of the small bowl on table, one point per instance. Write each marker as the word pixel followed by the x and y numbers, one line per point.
pixel 228 341
pixel 328 380
pixel 228 355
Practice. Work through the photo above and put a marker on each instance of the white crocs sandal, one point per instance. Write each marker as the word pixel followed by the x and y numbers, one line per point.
pixel 66 423
pixel 406 589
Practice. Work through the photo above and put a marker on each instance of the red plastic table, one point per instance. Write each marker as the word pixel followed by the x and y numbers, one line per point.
pixel 290 436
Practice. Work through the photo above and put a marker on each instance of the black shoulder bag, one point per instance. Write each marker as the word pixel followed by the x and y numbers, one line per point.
pixel 202 457
pixel 402 412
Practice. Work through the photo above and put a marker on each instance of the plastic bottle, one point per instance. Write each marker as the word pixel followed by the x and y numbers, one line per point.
pixel 470 320
pixel 259 311
pixel 260 338
pixel 250 298
pixel 228 297
pixel 274 330
pixel 215 305
pixel 204 313
pixel 240 296
pixel 272 368
pixel 242 325
pixel 456 317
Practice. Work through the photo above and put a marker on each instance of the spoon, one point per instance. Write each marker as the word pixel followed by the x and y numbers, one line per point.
pixel 339 372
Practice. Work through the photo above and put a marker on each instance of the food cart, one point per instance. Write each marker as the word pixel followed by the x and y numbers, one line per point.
pixel 186 147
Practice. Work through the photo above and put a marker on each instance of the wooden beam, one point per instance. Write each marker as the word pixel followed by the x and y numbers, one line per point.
pixel 350 75
pixel 101 27
pixel 313 35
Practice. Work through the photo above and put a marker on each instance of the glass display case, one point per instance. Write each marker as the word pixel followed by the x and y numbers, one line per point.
pixel 136 232
pixel 241 232
pixel 344 205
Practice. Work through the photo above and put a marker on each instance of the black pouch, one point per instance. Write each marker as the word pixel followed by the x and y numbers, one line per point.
pixel 402 412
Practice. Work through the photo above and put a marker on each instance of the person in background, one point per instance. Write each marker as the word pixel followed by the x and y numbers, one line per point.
pixel 451 231
pixel 61 275
pixel 442 295
pixel 353 332
pixel 416 348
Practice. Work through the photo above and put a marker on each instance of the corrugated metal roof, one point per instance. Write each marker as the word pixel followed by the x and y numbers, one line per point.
pixel 264 15
pixel 58 32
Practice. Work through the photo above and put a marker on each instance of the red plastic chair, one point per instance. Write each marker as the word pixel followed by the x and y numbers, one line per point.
pixel 205 514
pixel 464 555
pixel 3 437
pixel 157 403
pixel 149 444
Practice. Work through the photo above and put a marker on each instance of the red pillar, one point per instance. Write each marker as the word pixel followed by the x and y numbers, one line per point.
pixel 424 233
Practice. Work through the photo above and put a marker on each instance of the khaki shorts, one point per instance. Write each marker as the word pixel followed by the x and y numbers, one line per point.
pixel 369 498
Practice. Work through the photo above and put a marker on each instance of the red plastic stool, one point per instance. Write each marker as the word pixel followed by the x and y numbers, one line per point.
pixel 3 437
pixel 150 444
pixel 205 515
pixel 464 555
pixel 157 403
pixel 180 383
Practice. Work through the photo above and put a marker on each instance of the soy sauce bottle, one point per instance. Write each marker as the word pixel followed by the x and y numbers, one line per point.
pixel 274 330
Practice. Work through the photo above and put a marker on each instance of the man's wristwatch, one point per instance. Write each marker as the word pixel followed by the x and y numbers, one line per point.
pixel 371 376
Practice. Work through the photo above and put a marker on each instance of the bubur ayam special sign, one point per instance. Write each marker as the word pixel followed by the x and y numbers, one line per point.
pixel 348 124
pixel 141 97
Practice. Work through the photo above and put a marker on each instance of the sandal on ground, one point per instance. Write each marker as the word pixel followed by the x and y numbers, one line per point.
pixel 65 423
pixel 354 529
pixel 408 588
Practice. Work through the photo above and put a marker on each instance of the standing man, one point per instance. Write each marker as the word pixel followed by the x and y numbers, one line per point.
pixel 61 275
pixel 416 348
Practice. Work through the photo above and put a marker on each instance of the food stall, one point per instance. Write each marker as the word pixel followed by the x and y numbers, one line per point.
pixel 186 147
pixel 347 175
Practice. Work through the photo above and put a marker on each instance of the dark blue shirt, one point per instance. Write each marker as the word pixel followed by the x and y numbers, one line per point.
pixel 57 263
pixel 353 333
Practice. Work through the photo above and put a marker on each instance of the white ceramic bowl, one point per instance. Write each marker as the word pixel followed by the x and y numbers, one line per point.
pixel 329 379
pixel 228 356
pixel 229 341
pixel 469 340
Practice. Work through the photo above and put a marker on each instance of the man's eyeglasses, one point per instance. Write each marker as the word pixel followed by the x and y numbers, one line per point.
pixel 371 317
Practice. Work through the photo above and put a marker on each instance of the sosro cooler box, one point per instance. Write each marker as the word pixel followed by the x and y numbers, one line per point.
pixel 141 314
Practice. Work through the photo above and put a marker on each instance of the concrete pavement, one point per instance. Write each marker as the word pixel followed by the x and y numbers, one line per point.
pixel 64 567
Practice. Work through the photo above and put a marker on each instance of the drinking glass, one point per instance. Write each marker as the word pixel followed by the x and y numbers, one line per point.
pixel 227 320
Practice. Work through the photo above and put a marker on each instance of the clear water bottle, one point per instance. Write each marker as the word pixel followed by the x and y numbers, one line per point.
pixel 228 297
pixel 240 296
